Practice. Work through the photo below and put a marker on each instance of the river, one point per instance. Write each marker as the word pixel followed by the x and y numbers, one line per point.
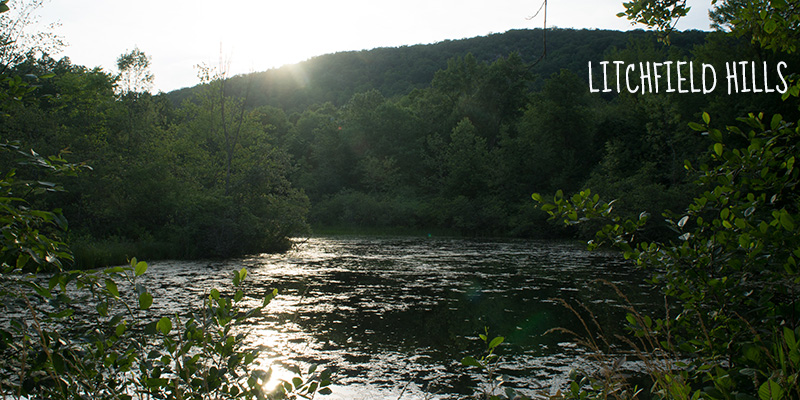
pixel 393 317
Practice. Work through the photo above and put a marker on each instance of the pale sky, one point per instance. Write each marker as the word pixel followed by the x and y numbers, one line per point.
pixel 259 35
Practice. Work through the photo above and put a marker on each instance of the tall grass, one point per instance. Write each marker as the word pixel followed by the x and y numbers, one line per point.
pixel 92 254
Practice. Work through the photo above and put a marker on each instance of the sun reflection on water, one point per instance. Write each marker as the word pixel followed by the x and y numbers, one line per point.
pixel 393 316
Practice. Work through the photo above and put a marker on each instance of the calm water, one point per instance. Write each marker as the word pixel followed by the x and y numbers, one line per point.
pixel 395 315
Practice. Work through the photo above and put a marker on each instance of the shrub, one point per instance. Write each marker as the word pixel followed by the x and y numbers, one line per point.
pixel 87 334
pixel 731 272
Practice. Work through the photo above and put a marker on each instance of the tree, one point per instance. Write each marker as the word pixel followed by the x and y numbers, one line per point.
pixel 557 133
pixel 467 162
pixel 506 89
pixel 492 96
pixel 773 24
pixel 239 200
pixel 225 113
pixel 134 73
pixel 17 41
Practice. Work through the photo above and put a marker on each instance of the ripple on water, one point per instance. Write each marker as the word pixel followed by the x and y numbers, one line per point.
pixel 394 315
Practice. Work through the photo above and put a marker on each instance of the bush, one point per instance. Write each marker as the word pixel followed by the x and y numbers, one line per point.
pixel 79 334
pixel 731 272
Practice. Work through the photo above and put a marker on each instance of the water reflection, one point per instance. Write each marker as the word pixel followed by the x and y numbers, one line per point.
pixel 394 315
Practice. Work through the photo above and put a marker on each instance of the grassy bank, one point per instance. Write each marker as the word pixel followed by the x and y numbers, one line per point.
pixel 92 254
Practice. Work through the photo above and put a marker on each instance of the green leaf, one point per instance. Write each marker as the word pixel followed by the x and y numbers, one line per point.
pixel 770 26
pixel 141 268
pixel 470 361
pixel 145 301
pixel 325 376
pixel 121 328
pixel 102 309
pixel 696 127
pixel 268 298
pixel 22 260
pixel 112 288
pixel 718 148
pixel 740 223
pixel 164 325
pixel 62 314
pixel 238 277
pixel 706 118
pixel 789 337
pixel 297 382
pixel 58 363
pixel 787 222
pixel 41 290
pixel 715 135
pixel 770 390
pixel 776 122
pixel 496 342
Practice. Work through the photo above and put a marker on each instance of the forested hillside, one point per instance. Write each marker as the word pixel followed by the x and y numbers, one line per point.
pixel 450 137
pixel 397 71
pixel 463 151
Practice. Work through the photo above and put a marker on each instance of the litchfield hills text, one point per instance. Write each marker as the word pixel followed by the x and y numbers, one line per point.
pixel 683 77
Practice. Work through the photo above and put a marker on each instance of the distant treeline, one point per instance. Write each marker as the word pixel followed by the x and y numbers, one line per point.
pixel 452 136
pixel 396 71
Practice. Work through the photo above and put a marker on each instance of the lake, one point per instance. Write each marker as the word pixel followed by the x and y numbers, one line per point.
pixel 393 317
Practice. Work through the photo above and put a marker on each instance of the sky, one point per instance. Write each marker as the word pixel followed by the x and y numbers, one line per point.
pixel 255 36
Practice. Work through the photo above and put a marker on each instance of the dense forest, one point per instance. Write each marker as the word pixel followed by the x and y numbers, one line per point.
pixel 456 135
pixel 451 137
pixel 396 72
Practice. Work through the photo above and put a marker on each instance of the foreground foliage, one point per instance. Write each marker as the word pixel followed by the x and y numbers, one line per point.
pixel 730 276
pixel 88 334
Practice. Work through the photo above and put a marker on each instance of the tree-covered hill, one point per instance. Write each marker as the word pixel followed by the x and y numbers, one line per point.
pixel 449 137
pixel 397 71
